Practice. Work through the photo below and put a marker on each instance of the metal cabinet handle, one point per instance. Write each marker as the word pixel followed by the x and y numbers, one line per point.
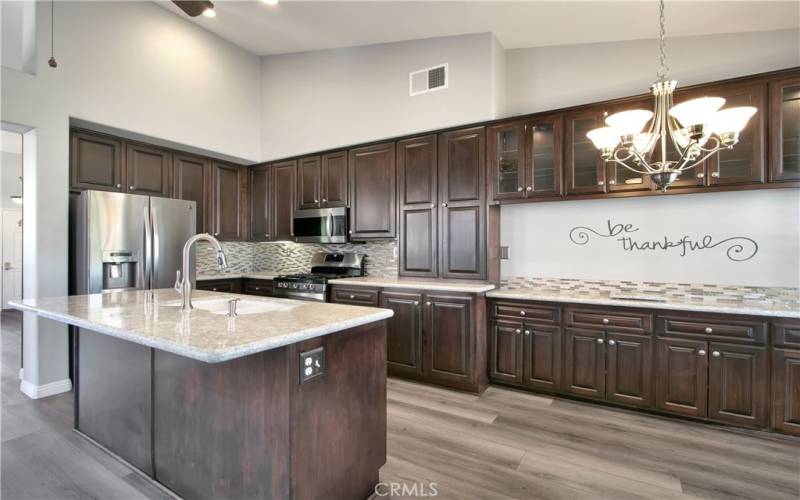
pixel 324 200
pixel 433 205
pixel 132 187
pixel 517 331
pixel 716 354
pixel 416 302
pixel 428 303
pixel 611 342
pixel 715 175
pixel 529 188
pixel 216 234
pixel 214 289
pixel 119 186
pixel 519 189
pixel 527 332
pixel 700 175
pixel 701 352
pixel 605 321
pixel 352 297
pixel 266 235
pixel 522 313
pixel 600 183
pixel 350 232
pixel 316 201
pixel 600 341
pixel 709 330
pixel 444 204
pixel 612 182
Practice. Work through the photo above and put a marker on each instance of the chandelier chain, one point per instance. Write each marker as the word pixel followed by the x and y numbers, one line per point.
pixel 663 69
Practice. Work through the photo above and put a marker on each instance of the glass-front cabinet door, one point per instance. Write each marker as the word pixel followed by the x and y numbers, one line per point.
pixel 507 153
pixel 585 169
pixel 745 162
pixel 618 177
pixel 784 96
pixel 543 154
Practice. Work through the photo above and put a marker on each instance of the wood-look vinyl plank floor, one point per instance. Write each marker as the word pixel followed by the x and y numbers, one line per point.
pixel 504 444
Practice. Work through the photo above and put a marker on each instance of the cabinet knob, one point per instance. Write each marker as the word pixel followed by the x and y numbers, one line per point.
pixel 605 321
pixel 519 189
pixel 716 354
pixel 324 200
pixel 352 297
pixel 316 201
pixel 709 330
pixel 529 188
pixel 416 302
pixel 214 289
pixel 517 331
pixel 715 175
pixel 600 341
pixel 119 186
pixel 600 183
pixel 350 232
pixel 132 187
pixel 266 235
pixel 527 332
pixel 612 182
pixel 433 205
pixel 701 352
pixel 611 342
pixel 444 204
pixel 522 313
pixel 216 234
pixel 700 175
pixel 428 303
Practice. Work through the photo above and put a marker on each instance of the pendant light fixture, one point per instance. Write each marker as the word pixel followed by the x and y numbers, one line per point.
pixel 698 129
pixel 194 8
pixel 52 61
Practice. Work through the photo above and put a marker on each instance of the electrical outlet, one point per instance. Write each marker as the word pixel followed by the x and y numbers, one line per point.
pixel 312 364
pixel 504 253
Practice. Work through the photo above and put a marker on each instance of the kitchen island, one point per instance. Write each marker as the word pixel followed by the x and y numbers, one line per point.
pixel 285 400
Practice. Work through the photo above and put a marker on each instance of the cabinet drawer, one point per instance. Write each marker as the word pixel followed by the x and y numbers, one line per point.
pixel 527 311
pixel 258 287
pixel 626 321
pixel 355 296
pixel 786 335
pixel 748 331
pixel 229 286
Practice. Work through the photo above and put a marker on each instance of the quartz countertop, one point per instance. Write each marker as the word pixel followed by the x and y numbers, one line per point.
pixel 418 284
pixel 233 276
pixel 756 301
pixel 200 334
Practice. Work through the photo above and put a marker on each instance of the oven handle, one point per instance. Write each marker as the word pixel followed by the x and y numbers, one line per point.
pixel 330 224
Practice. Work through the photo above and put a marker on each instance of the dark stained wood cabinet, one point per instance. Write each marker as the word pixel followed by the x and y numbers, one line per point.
pixel 228 194
pixel 373 207
pixel 357 295
pixel 462 193
pixel 584 362
pixel 335 180
pixel 228 285
pixel 192 182
pixel 309 178
pixel 417 186
pixel 506 149
pixel 585 170
pixel 506 362
pixel 404 332
pixel 450 339
pixel 148 170
pixel 258 287
pixel 784 129
pixel 786 390
pixel 282 203
pixel 96 162
pixel 682 376
pixel 628 369
pixel 738 384
pixel 541 357
pixel 260 202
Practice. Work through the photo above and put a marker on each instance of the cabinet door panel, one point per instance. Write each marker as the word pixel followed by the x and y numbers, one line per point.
pixel 448 339
pixel 335 191
pixel 283 196
pixel 372 180
pixel 737 384
pixel 585 168
pixel 542 357
pixel 461 165
pixel 418 242
pixel 95 162
pixel 505 352
pixel 584 369
pixel 226 201
pixel 309 176
pixel 786 390
pixel 417 172
pixel 148 170
pixel 507 146
pixel 784 129
pixel 682 376
pixel 404 333
pixel 462 242
pixel 628 368
pixel 192 183
pixel 260 197
pixel 544 149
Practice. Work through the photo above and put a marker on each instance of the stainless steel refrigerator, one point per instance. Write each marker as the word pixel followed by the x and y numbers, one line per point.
pixel 127 241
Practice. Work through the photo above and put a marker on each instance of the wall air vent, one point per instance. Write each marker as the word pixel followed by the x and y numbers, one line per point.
pixel 427 80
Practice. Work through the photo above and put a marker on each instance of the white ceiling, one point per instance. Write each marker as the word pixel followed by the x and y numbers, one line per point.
pixel 298 26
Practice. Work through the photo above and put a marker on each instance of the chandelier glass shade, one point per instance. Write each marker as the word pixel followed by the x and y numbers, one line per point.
pixel 695 129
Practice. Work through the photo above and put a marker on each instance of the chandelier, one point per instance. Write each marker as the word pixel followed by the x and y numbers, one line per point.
pixel 698 129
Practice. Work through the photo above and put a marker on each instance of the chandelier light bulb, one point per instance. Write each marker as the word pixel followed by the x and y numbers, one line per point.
pixel 603 137
pixel 629 122
pixel 209 12
pixel 644 142
pixel 698 111
pixel 731 120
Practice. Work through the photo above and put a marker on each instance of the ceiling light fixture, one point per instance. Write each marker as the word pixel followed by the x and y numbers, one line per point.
pixel 270 2
pixel 209 12
pixel 698 129
pixel 194 8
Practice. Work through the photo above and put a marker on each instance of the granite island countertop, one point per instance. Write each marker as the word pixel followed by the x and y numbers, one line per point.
pixel 200 334
pixel 417 283
pixel 757 301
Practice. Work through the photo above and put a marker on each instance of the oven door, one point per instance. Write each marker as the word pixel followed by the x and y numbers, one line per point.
pixel 323 225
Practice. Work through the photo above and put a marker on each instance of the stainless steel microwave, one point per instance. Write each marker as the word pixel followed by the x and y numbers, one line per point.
pixel 321 225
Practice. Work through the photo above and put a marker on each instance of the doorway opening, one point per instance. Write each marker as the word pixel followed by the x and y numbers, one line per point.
pixel 11 202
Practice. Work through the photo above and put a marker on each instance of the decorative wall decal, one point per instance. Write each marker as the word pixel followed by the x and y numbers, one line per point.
pixel 738 248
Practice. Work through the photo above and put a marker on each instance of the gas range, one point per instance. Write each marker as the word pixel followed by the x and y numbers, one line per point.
pixel 314 285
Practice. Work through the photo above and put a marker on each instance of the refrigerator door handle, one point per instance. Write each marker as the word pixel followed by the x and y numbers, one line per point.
pixel 156 245
pixel 145 273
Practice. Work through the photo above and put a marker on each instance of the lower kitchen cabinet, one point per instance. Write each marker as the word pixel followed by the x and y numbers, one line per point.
pixel 449 340
pixel 231 285
pixel 584 363
pixel 738 384
pixel 525 354
pixel 786 390
pixel 505 352
pixel 682 376
pixel 257 287
pixel 628 369
pixel 404 333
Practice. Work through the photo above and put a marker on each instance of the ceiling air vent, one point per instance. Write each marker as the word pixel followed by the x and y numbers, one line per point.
pixel 427 80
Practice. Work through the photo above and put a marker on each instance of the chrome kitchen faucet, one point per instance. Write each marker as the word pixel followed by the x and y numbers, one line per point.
pixel 183 285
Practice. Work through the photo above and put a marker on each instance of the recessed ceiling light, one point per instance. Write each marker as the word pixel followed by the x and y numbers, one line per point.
pixel 270 2
pixel 209 12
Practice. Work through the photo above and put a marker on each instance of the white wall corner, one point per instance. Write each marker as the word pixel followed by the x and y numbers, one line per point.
pixel 43 391
pixel 498 78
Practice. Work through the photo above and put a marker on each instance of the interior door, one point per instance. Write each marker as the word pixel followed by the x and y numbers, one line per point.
pixel 173 223
pixel 12 256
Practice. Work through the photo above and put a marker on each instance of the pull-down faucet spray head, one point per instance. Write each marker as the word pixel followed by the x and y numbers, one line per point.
pixel 222 261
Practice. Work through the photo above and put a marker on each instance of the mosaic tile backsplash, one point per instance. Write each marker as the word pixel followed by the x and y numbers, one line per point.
pixel 288 257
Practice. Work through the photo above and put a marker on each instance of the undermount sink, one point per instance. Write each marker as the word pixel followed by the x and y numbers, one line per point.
pixel 243 308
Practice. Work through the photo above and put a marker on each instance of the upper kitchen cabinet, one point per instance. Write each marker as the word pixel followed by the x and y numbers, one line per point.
pixel 148 170
pixel 619 178
pixel 373 195
pixel 283 182
pixel 418 204
pixel 334 184
pixel 507 157
pixel 192 182
pixel 585 168
pixel 260 197
pixel 462 193
pixel 784 129
pixel 228 193
pixel 95 162
pixel 309 175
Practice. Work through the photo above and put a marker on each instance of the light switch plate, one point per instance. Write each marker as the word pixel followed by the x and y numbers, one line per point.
pixel 312 364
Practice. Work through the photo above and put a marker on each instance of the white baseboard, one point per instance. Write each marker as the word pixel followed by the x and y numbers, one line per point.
pixel 42 391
